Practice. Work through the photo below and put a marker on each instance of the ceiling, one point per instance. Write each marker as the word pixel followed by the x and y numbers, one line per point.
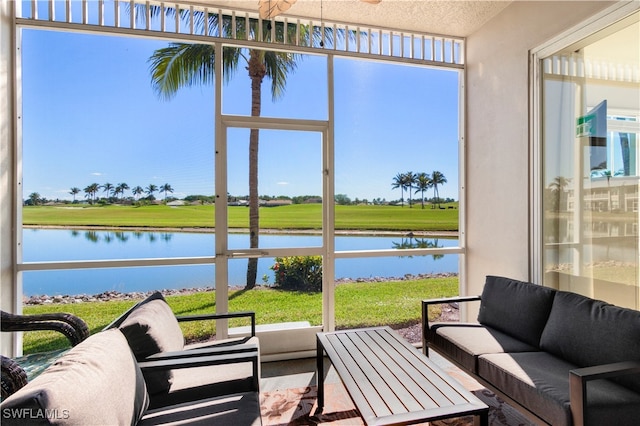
pixel 458 18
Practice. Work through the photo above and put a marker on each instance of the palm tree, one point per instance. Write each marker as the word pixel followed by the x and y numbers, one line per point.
pixel 120 188
pixel 166 188
pixel 398 182
pixel 182 64
pixel 91 191
pixel 74 191
pixel 136 191
pixel 558 188
pixel 423 183
pixel 409 181
pixel 437 178
pixel 150 190
pixel 107 187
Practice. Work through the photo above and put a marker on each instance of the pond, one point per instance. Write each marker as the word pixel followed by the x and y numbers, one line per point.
pixel 42 245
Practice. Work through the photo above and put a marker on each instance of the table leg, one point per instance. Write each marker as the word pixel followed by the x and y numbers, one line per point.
pixel 481 419
pixel 320 374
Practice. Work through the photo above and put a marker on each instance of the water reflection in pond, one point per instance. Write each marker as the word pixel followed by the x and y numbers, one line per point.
pixel 62 245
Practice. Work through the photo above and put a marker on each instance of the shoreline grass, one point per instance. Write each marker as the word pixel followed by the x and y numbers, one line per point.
pixel 393 303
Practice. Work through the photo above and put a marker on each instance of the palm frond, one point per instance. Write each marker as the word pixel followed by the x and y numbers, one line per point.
pixel 180 65
pixel 279 65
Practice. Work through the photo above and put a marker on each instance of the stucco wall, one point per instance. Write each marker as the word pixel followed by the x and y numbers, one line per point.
pixel 497 134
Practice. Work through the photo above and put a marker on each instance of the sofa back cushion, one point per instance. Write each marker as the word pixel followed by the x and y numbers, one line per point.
pixel 517 308
pixel 588 332
pixel 98 382
pixel 151 328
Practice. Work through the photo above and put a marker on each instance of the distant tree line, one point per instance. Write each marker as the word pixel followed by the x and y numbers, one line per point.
pixel 118 194
pixel 112 193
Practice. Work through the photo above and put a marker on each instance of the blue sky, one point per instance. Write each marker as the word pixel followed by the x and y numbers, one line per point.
pixel 90 116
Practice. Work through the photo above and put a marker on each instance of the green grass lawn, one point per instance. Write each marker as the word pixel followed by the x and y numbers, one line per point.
pixel 296 216
pixel 393 303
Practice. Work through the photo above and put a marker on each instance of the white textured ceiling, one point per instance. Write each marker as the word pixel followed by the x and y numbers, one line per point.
pixel 445 17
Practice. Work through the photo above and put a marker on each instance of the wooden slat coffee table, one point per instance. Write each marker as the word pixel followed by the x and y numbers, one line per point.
pixel 390 381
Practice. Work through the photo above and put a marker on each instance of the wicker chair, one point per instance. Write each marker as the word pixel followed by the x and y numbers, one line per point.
pixel 74 329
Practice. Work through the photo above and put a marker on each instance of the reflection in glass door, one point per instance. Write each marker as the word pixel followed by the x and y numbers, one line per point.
pixel 591 126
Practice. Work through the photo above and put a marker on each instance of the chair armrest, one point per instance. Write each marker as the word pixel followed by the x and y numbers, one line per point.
pixel 206 351
pixel 425 313
pixel 73 327
pixel 456 299
pixel 205 317
pixel 579 377
pixel 251 356
pixel 453 299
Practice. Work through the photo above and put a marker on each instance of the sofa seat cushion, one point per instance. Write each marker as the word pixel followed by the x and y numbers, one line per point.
pixel 98 382
pixel 189 384
pixel 464 342
pixel 228 410
pixel 540 382
pixel 517 308
pixel 590 332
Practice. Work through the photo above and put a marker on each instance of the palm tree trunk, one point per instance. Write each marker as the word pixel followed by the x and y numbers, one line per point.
pixel 257 72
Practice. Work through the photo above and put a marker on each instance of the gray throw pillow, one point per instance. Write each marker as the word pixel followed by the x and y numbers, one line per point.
pixel 517 308
pixel 98 382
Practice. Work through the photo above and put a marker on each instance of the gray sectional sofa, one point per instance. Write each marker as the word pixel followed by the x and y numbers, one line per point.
pixel 564 358
pixel 138 372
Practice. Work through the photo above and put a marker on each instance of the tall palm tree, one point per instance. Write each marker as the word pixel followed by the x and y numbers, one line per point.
pixel 409 181
pixel 120 188
pixel 151 189
pixel 423 183
pixel 558 189
pixel 398 182
pixel 107 187
pixel 91 191
pixel 166 188
pixel 136 191
pixel 74 191
pixel 437 178
pixel 182 64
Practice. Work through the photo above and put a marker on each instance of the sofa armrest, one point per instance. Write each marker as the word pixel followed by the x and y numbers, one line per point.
pixel 425 313
pixel 205 317
pixel 188 361
pixel 240 348
pixel 579 378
